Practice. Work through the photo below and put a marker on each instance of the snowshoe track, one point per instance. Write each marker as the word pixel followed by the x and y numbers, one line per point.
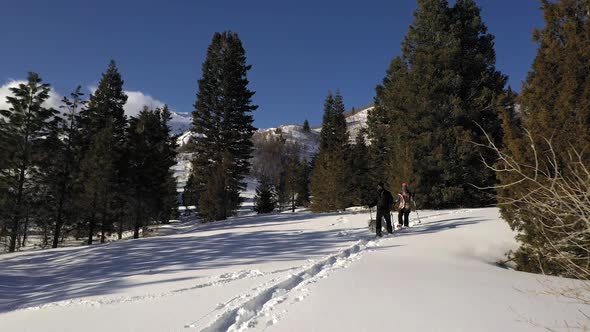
pixel 256 307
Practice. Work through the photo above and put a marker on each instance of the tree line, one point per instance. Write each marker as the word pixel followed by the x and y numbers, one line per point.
pixel 445 122
pixel 427 116
pixel 84 170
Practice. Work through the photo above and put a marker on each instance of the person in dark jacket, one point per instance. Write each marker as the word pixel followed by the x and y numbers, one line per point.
pixel 383 201
pixel 403 201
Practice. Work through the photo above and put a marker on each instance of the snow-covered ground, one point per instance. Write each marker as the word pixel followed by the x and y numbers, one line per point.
pixel 286 272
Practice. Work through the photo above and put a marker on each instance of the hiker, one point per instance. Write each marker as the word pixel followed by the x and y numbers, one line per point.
pixel 404 200
pixel 383 201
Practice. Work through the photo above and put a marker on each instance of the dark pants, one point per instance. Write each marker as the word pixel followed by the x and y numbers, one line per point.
pixel 383 214
pixel 403 215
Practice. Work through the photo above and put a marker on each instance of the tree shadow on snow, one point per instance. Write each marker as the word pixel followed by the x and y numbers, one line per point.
pixel 37 278
pixel 441 225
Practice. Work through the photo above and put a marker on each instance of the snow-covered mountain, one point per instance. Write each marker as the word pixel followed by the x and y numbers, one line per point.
pixel 356 120
pixel 294 134
pixel 180 123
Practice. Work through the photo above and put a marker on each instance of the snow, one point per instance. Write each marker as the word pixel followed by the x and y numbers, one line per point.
pixel 180 122
pixel 287 272
pixel 182 170
pixel 309 141
pixel 293 133
pixel 357 121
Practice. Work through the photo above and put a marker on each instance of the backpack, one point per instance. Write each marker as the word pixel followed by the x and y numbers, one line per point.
pixel 404 201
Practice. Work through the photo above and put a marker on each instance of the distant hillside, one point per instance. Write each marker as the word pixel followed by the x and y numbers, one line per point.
pixel 356 120
pixel 181 122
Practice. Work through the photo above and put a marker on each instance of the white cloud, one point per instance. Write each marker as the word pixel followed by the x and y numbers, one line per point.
pixel 136 100
pixel 53 101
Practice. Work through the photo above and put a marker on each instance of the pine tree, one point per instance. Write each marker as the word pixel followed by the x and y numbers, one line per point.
pixel 104 116
pixel 168 200
pixel 105 108
pixel 217 202
pixel 223 125
pixel 329 179
pixel 431 103
pixel 62 163
pixel 142 179
pixel 287 182
pixel 24 126
pixel 264 201
pixel 361 184
pixel 96 192
pixel 555 111
pixel 303 179
pixel 306 128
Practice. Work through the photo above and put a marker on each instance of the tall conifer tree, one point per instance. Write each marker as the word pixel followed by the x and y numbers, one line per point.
pixel 431 102
pixel 222 122
pixel 103 126
pixel 23 128
pixel 330 175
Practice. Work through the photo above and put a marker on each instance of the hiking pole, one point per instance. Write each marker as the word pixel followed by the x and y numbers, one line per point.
pixel 392 222
pixel 417 214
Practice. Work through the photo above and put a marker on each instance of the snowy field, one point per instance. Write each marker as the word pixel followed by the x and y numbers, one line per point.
pixel 287 272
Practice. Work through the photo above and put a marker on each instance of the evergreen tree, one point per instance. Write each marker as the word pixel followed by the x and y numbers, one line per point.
pixel 283 196
pixel 361 184
pixel 329 179
pixel 431 102
pixel 104 116
pixel 167 148
pixel 223 125
pixel 303 179
pixel 218 201
pixel 24 127
pixel 289 176
pixel 96 192
pixel 306 128
pixel 151 153
pixel 62 163
pixel 264 201
pixel 143 167
pixel 105 108
pixel 555 111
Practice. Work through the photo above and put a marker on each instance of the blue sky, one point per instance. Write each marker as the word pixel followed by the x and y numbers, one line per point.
pixel 298 49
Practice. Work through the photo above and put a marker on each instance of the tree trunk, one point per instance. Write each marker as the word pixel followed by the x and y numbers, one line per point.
pixel 91 230
pixel 120 230
pixel 120 222
pixel 58 220
pixel 103 228
pixel 45 235
pixel 25 230
pixel 56 233
pixel 17 210
pixel 136 228
pixel 137 223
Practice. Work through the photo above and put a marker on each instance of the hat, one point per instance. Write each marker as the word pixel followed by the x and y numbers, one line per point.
pixel 381 184
pixel 404 184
